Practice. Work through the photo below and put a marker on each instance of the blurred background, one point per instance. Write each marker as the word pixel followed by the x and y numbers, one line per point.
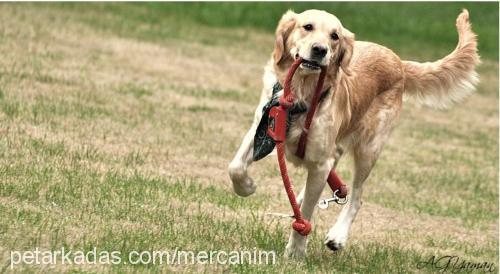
pixel 118 120
pixel 409 28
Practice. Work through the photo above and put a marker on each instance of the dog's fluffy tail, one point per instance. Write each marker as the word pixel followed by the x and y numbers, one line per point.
pixel 439 84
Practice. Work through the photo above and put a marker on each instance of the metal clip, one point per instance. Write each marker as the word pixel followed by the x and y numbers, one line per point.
pixel 323 204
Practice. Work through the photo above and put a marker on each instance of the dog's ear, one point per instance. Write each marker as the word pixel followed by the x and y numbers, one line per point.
pixel 346 50
pixel 285 27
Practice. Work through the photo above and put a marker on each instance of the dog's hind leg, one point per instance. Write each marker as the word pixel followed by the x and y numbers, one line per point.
pixel 337 236
pixel 338 154
pixel 371 137
pixel 316 181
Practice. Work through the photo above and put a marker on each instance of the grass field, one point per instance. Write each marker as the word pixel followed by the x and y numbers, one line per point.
pixel 117 122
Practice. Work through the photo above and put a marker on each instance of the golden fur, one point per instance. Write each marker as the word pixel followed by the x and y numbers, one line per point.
pixel 368 82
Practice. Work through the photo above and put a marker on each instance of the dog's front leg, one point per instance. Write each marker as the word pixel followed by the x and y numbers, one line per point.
pixel 243 185
pixel 316 180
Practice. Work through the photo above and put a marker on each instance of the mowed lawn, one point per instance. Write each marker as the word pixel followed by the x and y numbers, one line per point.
pixel 117 122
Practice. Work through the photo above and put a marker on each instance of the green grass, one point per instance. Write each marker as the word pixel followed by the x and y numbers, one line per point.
pixel 11 109
pixel 71 181
pixel 117 124
pixel 135 90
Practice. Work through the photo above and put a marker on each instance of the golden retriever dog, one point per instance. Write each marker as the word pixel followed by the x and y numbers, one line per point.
pixel 367 84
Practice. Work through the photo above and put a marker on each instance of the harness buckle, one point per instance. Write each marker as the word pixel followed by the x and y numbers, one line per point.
pixel 323 204
pixel 277 124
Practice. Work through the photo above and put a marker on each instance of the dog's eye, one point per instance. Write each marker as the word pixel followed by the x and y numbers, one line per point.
pixel 308 27
pixel 335 36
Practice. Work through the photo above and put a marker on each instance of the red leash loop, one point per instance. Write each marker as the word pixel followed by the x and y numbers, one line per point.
pixel 288 98
pixel 277 130
pixel 301 225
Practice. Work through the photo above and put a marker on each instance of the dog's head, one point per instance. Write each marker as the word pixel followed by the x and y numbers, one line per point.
pixel 317 37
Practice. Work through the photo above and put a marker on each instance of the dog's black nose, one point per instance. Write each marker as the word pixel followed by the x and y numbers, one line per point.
pixel 319 51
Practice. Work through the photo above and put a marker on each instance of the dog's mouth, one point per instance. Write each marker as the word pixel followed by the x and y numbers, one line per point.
pixel 309 64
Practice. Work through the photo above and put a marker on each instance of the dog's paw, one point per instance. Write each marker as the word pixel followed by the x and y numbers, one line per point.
pixel 335 241
pixel 244 188
pixel 334 245
pixel 242 184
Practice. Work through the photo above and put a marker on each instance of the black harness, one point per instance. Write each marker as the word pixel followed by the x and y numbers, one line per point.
pixel 263 144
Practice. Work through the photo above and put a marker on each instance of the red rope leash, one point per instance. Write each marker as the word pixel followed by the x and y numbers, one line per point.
pixel 277 130
pixel 301 225
pixel 301 148
pixel 336 184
